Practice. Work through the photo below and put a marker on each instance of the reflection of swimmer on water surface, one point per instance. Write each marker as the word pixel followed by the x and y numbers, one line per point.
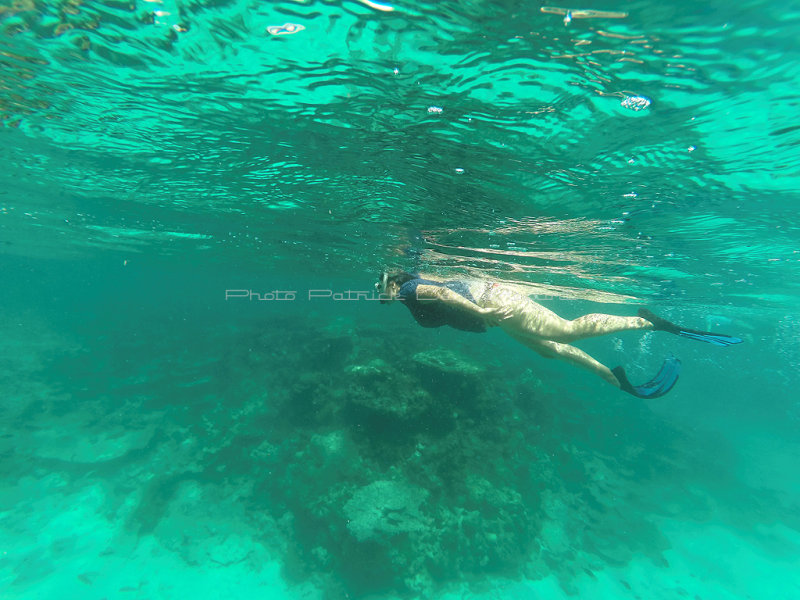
pixel 478 305
pixel 411 249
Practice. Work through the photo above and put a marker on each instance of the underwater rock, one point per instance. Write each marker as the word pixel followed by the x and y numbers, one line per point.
pixel 456 383
pixel 317 467
pixel 388 406
pixel 201 523
pixel 500 528
pixel 329 350
pixel 443 361
pixel 300 348
pixel 382 399
pixel 448 375
pixel 333 444
pixel 385 508
pixel 228 550
pixel 374 369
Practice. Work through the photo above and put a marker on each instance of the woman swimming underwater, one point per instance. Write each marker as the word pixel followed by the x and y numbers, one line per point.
pixel 478 305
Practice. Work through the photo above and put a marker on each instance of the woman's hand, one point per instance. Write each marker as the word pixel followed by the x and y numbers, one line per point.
pixel 494 316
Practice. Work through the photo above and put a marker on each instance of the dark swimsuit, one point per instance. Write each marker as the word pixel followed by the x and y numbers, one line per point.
pixel 432 313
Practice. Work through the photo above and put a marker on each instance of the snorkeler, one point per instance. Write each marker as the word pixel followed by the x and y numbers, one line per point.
pixel 477 305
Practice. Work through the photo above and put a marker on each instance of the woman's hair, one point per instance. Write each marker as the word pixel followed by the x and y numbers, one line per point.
pixel 401 278
pixel 385 279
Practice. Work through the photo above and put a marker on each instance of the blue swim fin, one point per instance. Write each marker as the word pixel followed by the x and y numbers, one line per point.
pixel 658 386
pixel 659 324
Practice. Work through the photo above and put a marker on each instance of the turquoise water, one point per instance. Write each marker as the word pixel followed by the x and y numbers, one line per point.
pixel 160 441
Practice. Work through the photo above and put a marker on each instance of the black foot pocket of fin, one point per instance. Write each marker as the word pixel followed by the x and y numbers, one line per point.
pixel 659 324
pixel 658 386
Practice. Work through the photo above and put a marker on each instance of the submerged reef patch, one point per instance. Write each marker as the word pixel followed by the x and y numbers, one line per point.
pixel 367 465
pixel 384 509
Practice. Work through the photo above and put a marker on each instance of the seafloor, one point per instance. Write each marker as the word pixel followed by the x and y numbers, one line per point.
pixel 322 458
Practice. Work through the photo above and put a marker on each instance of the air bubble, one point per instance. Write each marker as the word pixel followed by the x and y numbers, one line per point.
pixel 285 29
pixel 636 102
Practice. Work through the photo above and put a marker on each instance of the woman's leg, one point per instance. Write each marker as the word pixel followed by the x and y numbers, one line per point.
pixel 531 319
pixel 567 353
pixel 596 324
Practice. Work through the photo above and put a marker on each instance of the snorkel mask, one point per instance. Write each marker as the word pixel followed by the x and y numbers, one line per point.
pixel 380 285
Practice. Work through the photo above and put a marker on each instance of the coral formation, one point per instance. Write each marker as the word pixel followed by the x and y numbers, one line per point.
pixel 370 465
pixel 385 508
